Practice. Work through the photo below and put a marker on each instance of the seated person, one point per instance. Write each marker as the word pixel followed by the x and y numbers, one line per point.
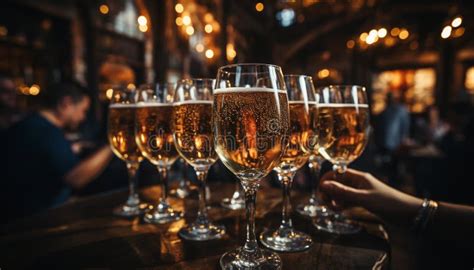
pixel 40 167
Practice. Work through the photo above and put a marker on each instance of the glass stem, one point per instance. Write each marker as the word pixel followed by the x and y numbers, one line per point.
pixel 315 167
pixel 132 169
pixel 202 213
pixel 339 170
pixel 164 182
pixel 250 200
pixel 286 180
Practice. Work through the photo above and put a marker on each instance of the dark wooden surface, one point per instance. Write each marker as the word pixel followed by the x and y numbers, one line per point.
pixel 85 234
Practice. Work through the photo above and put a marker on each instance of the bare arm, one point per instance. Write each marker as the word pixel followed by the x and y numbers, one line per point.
pixel 84 172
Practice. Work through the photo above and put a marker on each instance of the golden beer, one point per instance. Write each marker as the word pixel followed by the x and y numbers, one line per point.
pixel 250 126
pixel 193 134
pixel 154 135
pixel 298 149
pixel 343 132
pixel 121 132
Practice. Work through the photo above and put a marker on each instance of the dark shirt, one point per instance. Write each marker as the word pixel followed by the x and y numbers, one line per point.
pixel 38 157
pixel 393 126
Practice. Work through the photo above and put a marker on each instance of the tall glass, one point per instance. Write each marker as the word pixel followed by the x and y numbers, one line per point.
pixel 154 138
pixel 193 137
pixel 121 135
pixel 344 123
pixel 251 120
pixel 302 100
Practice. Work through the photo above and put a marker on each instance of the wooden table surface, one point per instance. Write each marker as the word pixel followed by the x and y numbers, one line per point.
pixel 85 234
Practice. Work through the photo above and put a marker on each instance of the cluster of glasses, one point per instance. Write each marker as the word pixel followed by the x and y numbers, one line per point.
pixel 255 120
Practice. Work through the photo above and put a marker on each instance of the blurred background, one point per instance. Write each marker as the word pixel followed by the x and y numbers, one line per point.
pixel 415 57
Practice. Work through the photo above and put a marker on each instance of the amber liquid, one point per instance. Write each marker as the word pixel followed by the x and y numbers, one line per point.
pixel 344 131
pixel 121 132
pixel 154 135
pixel 250 126
pixel 193 134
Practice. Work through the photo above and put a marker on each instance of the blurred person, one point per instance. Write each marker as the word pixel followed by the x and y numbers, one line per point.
pixel 40 168
pixel 445 228
pixel 8 103
pixel 392 128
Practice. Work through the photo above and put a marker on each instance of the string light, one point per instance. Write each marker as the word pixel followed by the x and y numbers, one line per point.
pixel 446 33
pixel 186 20
pixel 189 30
pixel 179 8
pixel 104 9
pixel 34 90
pixel 209 53
pixel 143 28
pixel 395 31
pixel 179 21
pixel 142 20
pixel 382 32
pixel 259 7
pixel 199 48
pixel 363 36
pixel 231 53
pixel 350 44
pixel 459 32
pixel 323 73
pixel 456 22
pixel 403 34
pixel 109 92
pixel 208 28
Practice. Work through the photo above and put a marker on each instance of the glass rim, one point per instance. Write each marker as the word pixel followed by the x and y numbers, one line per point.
pixel 196 80
pixel 248 64
pixel 343 86
pixel 297 75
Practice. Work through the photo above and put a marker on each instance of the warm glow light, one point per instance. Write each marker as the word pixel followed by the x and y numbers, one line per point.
pixel 179 21
pixel 3 31
pixel 208 18
pixel 395 31
pixel 259 7
pixel 208 28
pixel 143 28
pixel 142 20
pixel 456 22
pixel 34 90
pixel 390 41
pixel 459 32
pixel 179 8
pixel 104 9
pixel 209 53
pixel 446 31
pixel 350 44
pixel 186 20
pixel 189 30
pixel 372 38
pixel 199 48
pixel 363 36
pixel 373 32
pixel 231 53
pixel 403 34
pixel 131 86
pixel 323 73
pixel 109 92
pixel 382 32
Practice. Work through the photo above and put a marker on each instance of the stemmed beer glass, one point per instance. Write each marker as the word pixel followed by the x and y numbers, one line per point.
pixel 303 109
pixel 343 113
pixel 121 135
pixel 193 137
pixel 154 138
pixel 251 119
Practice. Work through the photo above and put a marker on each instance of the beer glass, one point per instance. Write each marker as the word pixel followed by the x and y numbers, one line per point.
pixel 303 109
pixel 343 113
pixel 251 119
pixel 121 136
pixel 193 137
pixel 154 138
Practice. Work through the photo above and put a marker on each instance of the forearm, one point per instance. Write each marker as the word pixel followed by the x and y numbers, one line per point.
pixel 89 168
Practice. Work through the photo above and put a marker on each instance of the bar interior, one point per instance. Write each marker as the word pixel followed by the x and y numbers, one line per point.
pixel 237 134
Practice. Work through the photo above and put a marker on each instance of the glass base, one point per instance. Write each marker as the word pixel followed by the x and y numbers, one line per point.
pixel 336 225
pixel 312 210
pixel 286 240
pixel 198 232
pixel 162 213
pixel 261 259
pixel 126 210
pixel 232 204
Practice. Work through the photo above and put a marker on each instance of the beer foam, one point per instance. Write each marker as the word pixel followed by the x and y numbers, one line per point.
pixel 120 105
pixel 342 105
pixel 153 104
pixel 302 102
pixel 193 102
pixel 231 90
